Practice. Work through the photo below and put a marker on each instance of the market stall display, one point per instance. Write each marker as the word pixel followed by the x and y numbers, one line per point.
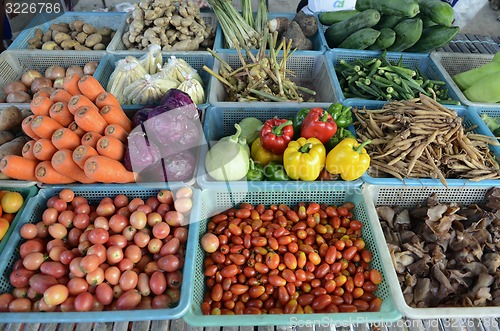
pixel 285 137
pixel 116 240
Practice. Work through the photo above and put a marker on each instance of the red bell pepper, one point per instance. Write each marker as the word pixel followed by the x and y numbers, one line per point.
pixel 276 134
pixel 318 124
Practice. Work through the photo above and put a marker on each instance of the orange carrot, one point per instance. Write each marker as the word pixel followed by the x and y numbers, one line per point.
pixel 27 151
pixel 46 174
pixel 116 115
pixel 90 139
pixel 106 99
pixel 26 126
pixel 44 126
pixel 106 170
pixel 78 101
pixel 115 130
pixel 70 84
pixel 89 119
pixel 43 149
pixel 76 129
pixel 64 138
pixel 18 167
pixel 63 163
pixel 90 87
pixel 41 106
pixel 42 93
pixel 60 112
pixel 111 147
pixel 82 153
pixel 60 95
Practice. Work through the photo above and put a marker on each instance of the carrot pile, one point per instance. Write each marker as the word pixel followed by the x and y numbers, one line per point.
pixel 78 133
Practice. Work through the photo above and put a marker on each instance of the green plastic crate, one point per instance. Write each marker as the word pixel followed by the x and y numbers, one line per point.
pixel 27 193
pixel 215 201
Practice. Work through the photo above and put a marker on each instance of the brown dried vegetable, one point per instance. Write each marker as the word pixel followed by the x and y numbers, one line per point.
pixel 446 254
pixel 420 138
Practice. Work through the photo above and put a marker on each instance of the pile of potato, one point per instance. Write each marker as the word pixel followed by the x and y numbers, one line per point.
pixel 11 141
pixel 76 35
pixel 33 82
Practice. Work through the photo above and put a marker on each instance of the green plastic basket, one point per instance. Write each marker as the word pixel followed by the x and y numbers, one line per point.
pixel 94 193
pixel 215 201
pixel 27 193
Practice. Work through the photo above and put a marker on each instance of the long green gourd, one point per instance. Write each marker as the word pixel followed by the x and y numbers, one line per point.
pixel 466 79
pixel 485 90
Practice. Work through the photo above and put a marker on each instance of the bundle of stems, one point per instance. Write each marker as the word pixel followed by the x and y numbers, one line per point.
pixel 236 30
pixel 247 11
pixel 264 77
pixel 261 19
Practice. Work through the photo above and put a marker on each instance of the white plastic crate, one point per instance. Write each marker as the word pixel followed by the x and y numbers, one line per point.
pixel 311 71
pixel 14 63
pixel 410 197
pixel 451 64
pixel 116 46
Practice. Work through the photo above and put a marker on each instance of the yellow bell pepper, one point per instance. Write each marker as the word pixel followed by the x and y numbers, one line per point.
pixel 349 159
pixel 262 155
pixel 304 158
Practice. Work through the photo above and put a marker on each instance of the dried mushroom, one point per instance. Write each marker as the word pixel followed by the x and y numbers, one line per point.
pixel 446 254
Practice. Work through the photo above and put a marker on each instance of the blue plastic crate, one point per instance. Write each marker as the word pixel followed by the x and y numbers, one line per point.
pixel 111 20
pixel 94 193
pixel 309 70
pixel 470 118
pixel 319 46
pixel 413 61
pixel 27 193
pixel 196 60
pixel 216 201
pixel 219 123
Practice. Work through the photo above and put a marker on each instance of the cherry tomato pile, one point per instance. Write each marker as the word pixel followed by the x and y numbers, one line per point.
pixel 121 254
pixel 275 260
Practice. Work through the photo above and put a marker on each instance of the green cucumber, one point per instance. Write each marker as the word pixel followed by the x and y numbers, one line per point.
pixel 408 32
pixel 385 40
pixel 331 17
pixel 427 21
pixel 406 8
pixel 434 37
pixel 388 21
pixel 360 39
pixel 338 32
pixel 438 11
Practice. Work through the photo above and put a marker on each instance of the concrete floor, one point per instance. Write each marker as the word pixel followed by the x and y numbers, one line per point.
pixel 485 22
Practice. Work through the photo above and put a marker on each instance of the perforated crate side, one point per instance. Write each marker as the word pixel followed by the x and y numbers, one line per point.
pixel 413 61
pixel 195 60
pixel 33 213
pixel 111 20
pixel 14 63
pixel 492 112
pixel 116 46
pixel 411 197
pixel 451 64
pixel 470 118
pixel 310 71
pixel 214 201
